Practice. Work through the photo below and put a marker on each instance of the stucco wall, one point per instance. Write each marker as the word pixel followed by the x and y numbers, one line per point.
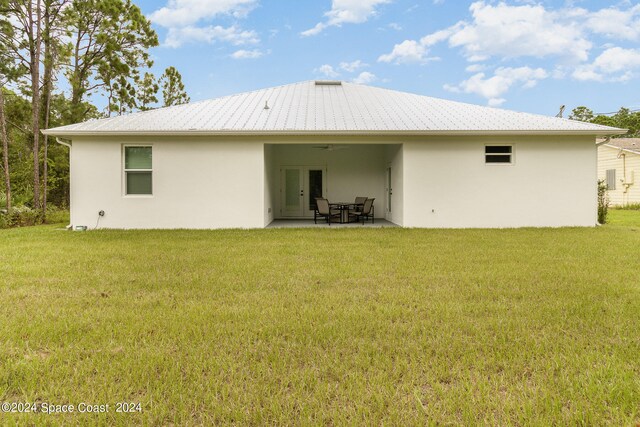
pixel 551 183
pixel 613 158
pixel 197 183
pixel 437 181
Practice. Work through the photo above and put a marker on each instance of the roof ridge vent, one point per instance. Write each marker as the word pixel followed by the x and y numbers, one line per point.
pixel 328 83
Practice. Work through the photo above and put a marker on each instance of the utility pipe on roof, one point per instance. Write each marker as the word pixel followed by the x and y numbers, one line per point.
pixel 606 141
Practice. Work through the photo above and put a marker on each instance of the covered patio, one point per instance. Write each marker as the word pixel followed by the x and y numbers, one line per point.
pixel 297 173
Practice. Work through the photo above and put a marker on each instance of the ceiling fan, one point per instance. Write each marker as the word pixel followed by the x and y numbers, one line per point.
pixel 330 147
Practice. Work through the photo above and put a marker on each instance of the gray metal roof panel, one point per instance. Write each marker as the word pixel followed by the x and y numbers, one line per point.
pixel 306 107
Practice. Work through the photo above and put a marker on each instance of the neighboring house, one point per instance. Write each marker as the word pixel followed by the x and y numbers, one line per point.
pixel 245 160
pixel 619 166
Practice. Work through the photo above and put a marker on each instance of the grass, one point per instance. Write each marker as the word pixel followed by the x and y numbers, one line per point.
pixel 309 326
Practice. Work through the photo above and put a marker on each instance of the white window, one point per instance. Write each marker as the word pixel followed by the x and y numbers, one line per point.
pixel 611 179
pixel 498 154
pixel 138 170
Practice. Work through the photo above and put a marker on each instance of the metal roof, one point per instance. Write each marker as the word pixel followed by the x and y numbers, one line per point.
pixel 329 107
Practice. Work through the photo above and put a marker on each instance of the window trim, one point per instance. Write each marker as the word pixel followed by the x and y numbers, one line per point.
pixel 125 170
pixel 512 155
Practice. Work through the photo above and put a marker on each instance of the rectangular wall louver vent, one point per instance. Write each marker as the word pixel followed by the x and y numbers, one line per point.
pixel 328 83
pixel 611 179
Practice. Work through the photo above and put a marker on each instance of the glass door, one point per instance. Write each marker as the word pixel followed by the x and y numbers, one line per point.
pixel 299 189
pixel 292 192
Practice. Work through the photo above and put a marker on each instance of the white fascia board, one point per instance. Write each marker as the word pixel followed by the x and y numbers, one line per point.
pixel 595 133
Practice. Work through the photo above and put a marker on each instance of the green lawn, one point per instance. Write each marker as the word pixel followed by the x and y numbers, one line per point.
pixel 324 326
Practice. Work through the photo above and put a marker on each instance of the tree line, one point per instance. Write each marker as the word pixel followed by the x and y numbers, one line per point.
pixel 624 119
pixel 54 56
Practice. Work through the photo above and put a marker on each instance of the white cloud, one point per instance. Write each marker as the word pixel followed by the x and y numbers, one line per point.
pixel 492 88
pixel 346 12
pixel 353 66
pixel 406 52
pixel 182 16
pixel 395 26
pixel 514 31
pixel 504 31
pixel 614 64
pixel 327 70
pixel 247 54
pixel 364 78
pixel 181 13
pixel 176 37
pixel 616 23
pixel 475 68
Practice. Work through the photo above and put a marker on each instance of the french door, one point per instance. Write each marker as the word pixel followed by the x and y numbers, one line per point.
pixel 299 186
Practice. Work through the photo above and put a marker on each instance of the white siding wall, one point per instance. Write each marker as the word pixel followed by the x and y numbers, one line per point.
pixel 552 183
pixel 197 183
pixel 608 159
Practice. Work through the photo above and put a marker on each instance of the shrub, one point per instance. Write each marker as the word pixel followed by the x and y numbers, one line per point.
pixel 23 216
pixel 56 215
pixel 603 202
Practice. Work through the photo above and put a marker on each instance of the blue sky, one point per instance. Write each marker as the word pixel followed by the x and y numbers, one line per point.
pixel 522 55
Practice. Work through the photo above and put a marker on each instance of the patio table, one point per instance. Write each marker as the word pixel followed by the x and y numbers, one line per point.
pixel 344 208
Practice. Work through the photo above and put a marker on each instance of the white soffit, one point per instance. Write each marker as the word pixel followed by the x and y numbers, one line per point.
pixel 329 107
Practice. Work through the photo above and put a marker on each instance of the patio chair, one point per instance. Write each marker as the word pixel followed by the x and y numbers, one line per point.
pixel 365 212
pixel 324 210
pixel 360 201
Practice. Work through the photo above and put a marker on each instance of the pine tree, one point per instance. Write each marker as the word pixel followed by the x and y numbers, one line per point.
pixel 173 92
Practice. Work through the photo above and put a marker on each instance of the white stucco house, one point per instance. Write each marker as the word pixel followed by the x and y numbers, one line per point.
pixel 619 167
pixel 247 159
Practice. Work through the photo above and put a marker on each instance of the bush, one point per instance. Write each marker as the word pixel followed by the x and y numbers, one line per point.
pixel 603 202
pixel 56 215
pixel 23 216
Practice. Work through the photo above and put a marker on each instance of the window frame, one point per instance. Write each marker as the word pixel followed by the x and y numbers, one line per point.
pixel 512 155
pixel 125 171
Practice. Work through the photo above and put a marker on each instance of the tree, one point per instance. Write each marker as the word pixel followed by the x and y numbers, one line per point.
pixel 6 71
pixel 582 114
pixel 147 90
pixel 24 43
pixel 54 52
pixel 5 151
pixel 625 119
pixel 110 40
pixel 173 92
pixel 124 95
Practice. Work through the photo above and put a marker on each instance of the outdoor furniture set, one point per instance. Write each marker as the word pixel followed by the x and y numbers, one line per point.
pixel 344 212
